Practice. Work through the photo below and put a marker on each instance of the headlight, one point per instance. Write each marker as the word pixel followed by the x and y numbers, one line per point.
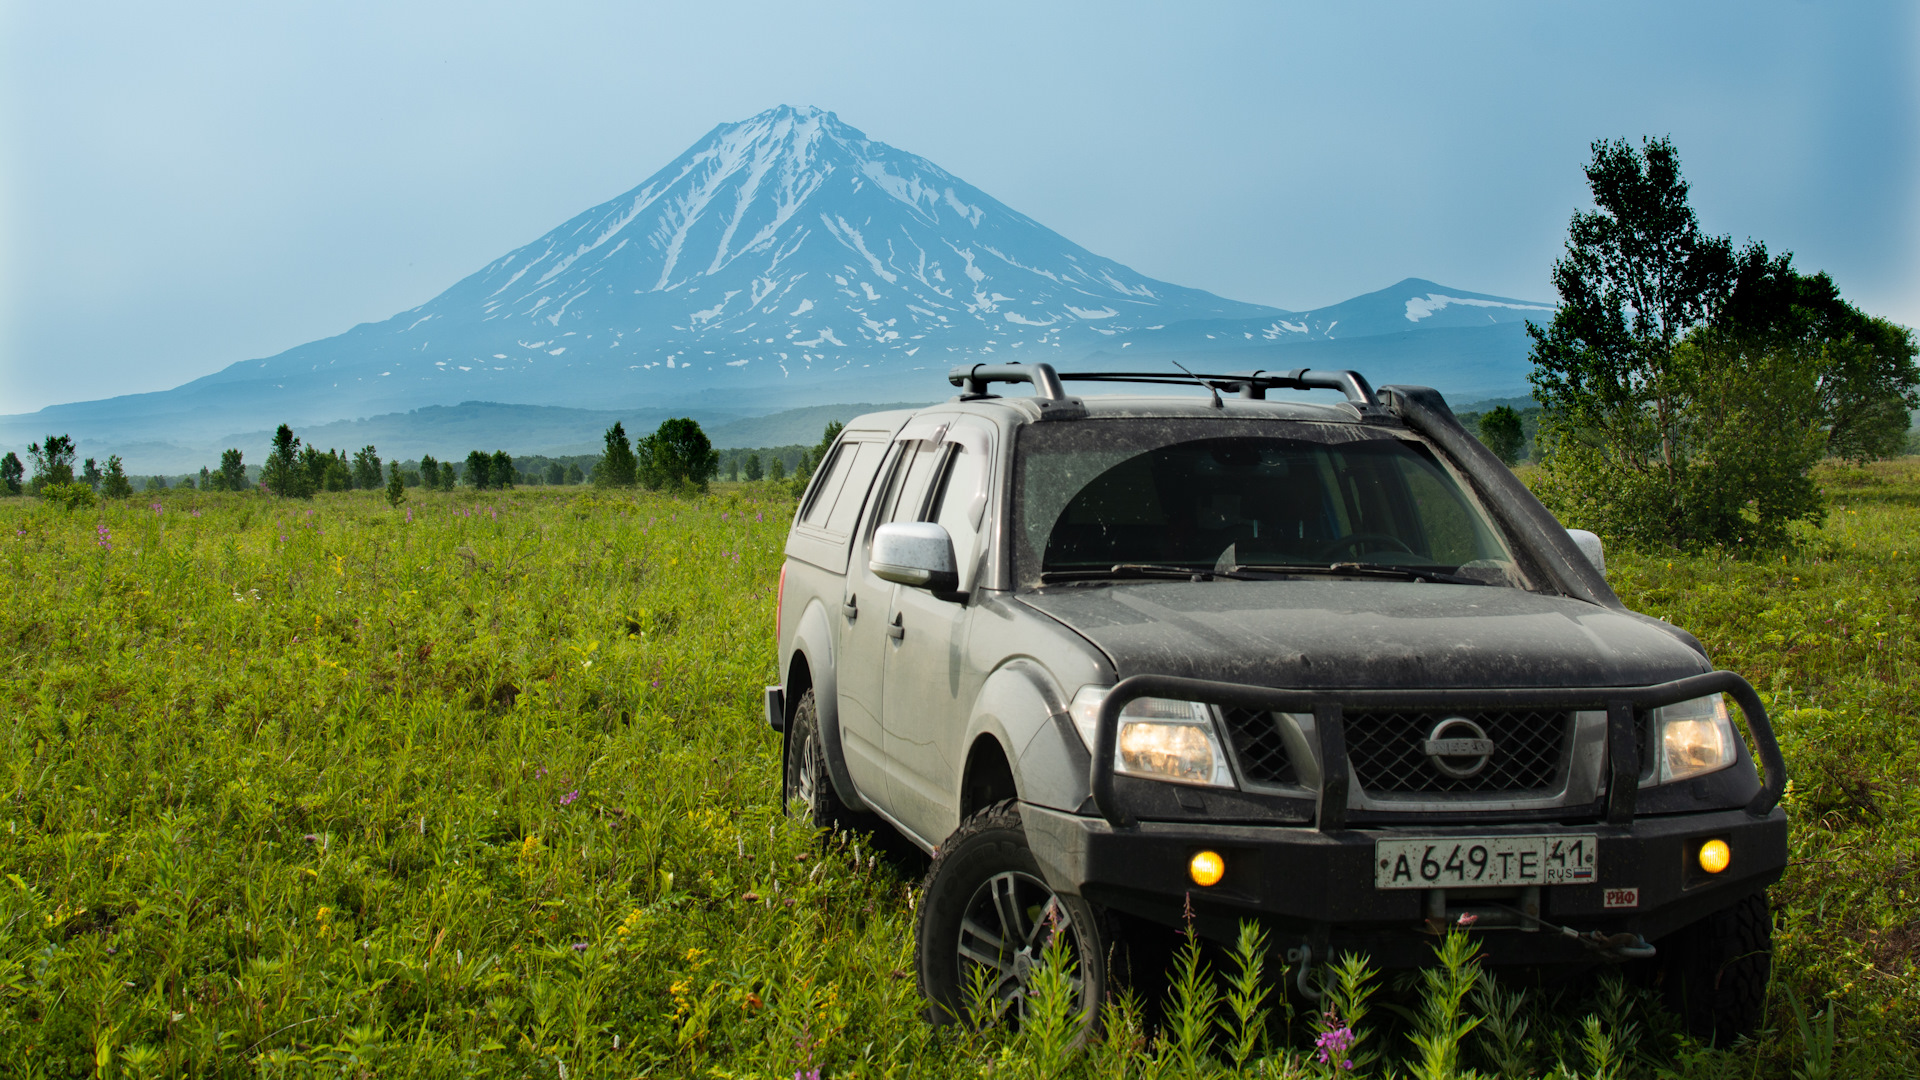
pixel 1695 737
pixel 1159 738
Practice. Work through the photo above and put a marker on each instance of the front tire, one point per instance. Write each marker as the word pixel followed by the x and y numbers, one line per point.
pixel 986 908
pixel 1714 973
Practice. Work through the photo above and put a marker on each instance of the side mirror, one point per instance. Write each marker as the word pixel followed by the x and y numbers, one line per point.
pixel 1590 546
pixel 916 553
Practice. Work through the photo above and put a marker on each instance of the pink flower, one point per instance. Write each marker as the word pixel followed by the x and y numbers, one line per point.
pixel 1468 918
pixel 569 797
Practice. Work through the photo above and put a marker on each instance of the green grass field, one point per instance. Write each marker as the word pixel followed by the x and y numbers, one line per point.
pixel 480 786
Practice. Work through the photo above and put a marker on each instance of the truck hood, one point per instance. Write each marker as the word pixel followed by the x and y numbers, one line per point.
pixel 1313 635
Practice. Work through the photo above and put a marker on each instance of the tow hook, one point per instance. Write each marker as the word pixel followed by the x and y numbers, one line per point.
pixel 1303 956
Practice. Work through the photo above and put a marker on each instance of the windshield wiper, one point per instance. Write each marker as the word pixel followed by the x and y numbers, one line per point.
pixel 1150 570
pixel 1358 569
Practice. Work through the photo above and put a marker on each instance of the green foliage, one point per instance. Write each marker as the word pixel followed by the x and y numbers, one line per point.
pixel 367 471
pixel 396 486
pixel 479 471
pixel 1690 389
pixel 70 495
pixel 1193 1000
pixel 114 483
pixel 1501 430
pixel 476 794
pixel 52 461
pixel 1439 1026
pixel 777 471
pixel 500 470
pixel 90 474
pixel 617 467
pixel 283 473
pixel 676 457
pixel 12 472
pixel 753 469
pixel 233 471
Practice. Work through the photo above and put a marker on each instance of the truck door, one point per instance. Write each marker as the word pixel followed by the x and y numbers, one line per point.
pixel 930 682
pixel 865 608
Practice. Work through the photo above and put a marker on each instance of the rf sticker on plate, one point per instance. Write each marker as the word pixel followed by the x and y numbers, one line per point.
pixel 1623 898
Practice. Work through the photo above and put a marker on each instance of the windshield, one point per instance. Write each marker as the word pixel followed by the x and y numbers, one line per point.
pixel 1165 495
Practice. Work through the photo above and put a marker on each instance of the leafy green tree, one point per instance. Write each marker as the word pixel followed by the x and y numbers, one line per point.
pixel 206 478
pixel 284 474
pixel 500 470
pixel 12 472
pixel 556 473
pixel 479 470
pixel 1501 430
pixel 448 476
pixel 114 483
pixel 617 466
pixel 753 466
pixel 156 483
pixel 1865 381
pixel 1667 424
pixel 677 456
pixel 574 476
pixel 396 486
pixel 52 461
pixel 367 472
pixel 429 472
pixel 233 471
pixel 777 471
pixel 90 474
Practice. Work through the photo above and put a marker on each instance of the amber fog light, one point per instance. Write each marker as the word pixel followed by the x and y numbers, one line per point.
pixel 1714 856
pixel 1207 868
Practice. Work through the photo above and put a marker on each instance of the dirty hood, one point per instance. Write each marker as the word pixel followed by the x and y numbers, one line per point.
pixel 1359 634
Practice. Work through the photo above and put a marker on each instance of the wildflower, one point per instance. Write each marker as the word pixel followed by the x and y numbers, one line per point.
pixel 104 537
pixel 569 797
pixel 1468 918
pixel 156 508
pixel 751 1001
pixel 1334 1044
pixel 579 946
pixel 409 515
pixel 540 773
pixel 810 1074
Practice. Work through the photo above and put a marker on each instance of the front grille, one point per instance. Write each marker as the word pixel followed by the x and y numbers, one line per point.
pixel 1387 753
pixel 1257 743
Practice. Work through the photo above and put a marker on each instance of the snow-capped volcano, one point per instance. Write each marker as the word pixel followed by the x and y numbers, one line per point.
pixel 780 247
pixel 789 260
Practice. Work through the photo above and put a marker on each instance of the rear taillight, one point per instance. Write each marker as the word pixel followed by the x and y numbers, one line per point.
pixel 779 602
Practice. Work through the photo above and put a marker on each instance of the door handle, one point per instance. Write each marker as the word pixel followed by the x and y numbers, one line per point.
pixel 850 607
pixel 895 630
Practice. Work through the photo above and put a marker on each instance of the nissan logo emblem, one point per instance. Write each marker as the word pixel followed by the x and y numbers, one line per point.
pixel 1458 747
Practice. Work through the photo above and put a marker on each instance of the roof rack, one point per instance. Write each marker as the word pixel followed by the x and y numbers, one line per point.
pixel 974 380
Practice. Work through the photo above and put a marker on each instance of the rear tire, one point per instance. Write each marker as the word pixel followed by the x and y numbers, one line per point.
pixel 985 904
pixel 809 792
pixel 1714 973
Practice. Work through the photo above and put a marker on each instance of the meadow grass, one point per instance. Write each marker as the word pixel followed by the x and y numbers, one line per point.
pixel 479 786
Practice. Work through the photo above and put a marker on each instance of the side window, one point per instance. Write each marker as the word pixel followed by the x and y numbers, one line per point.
pixel 912 493
pixel 827 488
pixel 834 504
pixel 959 485
pixel 846 508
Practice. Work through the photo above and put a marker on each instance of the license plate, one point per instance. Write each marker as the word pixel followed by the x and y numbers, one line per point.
pixel 1441 862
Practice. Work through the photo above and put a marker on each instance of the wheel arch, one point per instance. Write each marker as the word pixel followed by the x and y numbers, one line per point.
pixel 811 656
pixel 1023 708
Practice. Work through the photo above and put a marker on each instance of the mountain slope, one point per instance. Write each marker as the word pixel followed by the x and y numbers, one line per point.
pixel 782 261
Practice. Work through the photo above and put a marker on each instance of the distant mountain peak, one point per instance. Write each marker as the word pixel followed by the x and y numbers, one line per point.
pixel 784 259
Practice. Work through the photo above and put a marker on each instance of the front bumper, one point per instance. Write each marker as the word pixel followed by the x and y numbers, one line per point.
pixel 1315 886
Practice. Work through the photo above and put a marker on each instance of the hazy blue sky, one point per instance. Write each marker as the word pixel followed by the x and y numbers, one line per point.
pixel 187 185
